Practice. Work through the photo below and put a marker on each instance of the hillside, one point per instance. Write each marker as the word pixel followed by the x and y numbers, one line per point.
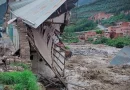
pixel 110 6
pixel 83 2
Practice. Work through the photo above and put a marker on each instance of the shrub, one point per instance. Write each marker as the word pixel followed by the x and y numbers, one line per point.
pixel 21 80
pixel 81 25
pixel 98 31
pixel 119 42
pixel 119 45
pixel 66 47
pixel 90 40
pixel 101 40
pixel 25 66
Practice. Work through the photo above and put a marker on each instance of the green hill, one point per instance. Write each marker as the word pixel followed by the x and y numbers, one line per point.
pixel 80 14
pixel 83 2
pixel 109 6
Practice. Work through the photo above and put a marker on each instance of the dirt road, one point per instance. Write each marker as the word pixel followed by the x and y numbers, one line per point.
pixel 93 71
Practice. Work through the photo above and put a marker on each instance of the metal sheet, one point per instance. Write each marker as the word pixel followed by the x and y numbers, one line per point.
pixel 38 11
pixel 123 57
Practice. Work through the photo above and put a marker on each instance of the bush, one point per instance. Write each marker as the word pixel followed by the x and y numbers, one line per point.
pixel 99 31
pixel 81 25
pixel 101 40
pixel 21 80
pixel 112 21
pixel 119 42
pixel 90 40
pixel 25 66
pixel 66 47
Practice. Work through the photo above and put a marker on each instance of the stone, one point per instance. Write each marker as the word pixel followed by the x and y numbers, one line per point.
pixel 1 70
pixel 41 86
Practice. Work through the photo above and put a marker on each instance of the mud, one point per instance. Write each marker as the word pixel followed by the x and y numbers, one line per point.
pixel 93 72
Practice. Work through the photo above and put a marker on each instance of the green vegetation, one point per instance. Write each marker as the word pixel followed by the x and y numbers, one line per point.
pixel 24 66
pixel 99 31
pixel 83 2
pixel 119 42
pixel 16 80
pixel 19 80
pixel 66 47
pixel 81 25
pixel 90 40
pixel 109 6
pixel 101 40
pixel 69 35
pixel 112 21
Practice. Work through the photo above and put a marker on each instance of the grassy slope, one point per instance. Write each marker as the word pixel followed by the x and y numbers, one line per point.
pixel 83 2
pixel 110 6
pixel 24 80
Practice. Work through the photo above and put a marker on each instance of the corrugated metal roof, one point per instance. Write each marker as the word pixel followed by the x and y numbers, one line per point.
pixel 18 4
pixel 38 11
pixel 123 57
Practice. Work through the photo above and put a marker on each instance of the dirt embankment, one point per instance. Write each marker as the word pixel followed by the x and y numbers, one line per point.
pixel 93 71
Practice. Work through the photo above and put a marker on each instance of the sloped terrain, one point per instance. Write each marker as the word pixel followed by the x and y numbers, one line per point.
pixel 83 2
pixel 109 6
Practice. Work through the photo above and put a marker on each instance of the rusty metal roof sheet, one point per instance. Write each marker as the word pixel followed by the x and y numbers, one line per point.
pixel 36 12
pixel 123 57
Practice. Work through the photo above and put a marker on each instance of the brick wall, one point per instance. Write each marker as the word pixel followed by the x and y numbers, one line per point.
pixel 24 44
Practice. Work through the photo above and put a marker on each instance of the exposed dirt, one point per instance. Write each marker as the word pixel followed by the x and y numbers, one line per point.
pixel 93 72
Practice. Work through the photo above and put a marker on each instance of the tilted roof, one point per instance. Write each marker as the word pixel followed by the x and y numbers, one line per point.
pixel 35 12
pixel 18 4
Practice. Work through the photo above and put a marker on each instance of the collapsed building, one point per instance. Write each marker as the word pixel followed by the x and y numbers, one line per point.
pixel 35 27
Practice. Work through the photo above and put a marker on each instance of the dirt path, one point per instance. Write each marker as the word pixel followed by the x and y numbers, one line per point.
pixel 93 72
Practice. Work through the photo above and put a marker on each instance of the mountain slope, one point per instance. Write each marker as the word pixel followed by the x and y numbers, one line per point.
pixel 83 2
pixel 110 6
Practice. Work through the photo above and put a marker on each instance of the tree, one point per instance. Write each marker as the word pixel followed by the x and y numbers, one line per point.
pixel 119 45
pixel 99 31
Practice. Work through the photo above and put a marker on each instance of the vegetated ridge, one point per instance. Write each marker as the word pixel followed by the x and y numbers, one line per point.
pixel 108 6
pixel 84 2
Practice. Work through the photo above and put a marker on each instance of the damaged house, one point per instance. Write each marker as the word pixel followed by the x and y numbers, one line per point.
pixel 36 26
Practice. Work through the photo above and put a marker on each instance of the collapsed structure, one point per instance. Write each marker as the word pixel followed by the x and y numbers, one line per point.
pixel 34 27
